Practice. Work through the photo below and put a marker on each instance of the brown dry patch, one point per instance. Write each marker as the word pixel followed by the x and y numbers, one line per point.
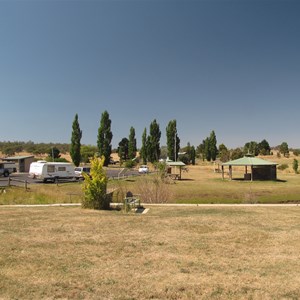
pixel 169 253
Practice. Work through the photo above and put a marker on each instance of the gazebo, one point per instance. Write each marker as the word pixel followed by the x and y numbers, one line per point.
pixel 176 166
pixel 260 169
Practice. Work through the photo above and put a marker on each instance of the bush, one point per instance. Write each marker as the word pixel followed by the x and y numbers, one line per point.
pixel 129 164
pixel 153 189
pixel 95 187
pixel 295 166
pixel 283 167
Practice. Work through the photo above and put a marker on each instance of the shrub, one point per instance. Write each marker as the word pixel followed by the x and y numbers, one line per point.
pixel 283 167
pixel 295 166
pixel 95 186
pixel 153 189
pixel 129 164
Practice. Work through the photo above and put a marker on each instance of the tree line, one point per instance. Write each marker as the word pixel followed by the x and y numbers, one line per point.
pixel 150 151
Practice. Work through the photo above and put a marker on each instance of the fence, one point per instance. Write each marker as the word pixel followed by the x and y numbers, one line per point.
pixel 13 182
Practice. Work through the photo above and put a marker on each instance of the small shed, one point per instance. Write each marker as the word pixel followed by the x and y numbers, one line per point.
pixel 175 168
pixel 22 162
pixel 255 168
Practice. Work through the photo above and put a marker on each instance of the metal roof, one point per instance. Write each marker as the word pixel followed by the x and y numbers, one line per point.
pixel 175 163
pixel 249 161
pixel 17 157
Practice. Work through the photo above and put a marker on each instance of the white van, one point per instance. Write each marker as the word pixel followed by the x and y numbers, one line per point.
pixel 80 170
pixel 52 171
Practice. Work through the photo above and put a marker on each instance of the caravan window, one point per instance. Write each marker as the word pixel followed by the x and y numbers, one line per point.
pixel 61 168
pixel 50 169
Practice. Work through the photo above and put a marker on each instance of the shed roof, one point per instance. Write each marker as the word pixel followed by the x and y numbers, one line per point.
pixel 17 157
pixel 249 161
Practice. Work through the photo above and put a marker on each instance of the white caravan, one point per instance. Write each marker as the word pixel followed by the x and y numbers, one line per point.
pixel 52 171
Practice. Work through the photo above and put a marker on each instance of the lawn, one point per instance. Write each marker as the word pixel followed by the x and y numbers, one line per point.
pixel 168 253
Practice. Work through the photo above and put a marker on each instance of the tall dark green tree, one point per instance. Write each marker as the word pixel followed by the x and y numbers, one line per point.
pixel 154 142
pixel 264 148
pixel 193 155
pixel 201 150
pixel 123 149
pixel 143 152
pixel 173 141
pixel 104 137
pixel 132 144
pixel 213 146
pixel 53 153
pixel 207 149
pixel 75 142
pixel 251 148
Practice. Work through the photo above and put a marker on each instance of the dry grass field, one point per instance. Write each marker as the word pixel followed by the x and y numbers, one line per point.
pixel 168 253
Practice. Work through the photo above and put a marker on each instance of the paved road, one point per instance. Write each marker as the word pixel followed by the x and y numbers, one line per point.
pixel 111 173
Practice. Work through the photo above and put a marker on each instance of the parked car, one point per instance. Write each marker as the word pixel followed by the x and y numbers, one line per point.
pixel 7 168
pixel 80 170
pixel 143 169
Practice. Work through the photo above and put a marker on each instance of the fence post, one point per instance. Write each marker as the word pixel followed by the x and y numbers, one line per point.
pixel 9 180
pixel 25 185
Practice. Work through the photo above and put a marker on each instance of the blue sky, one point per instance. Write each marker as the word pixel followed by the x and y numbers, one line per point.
pixel 228 66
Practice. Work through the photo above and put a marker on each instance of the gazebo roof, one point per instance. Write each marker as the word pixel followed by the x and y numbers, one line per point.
pixel 175 163
pixel 249 161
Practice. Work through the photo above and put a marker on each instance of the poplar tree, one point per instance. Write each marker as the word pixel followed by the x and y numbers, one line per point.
pixel 213 146
pixel 104 138
pixel 143 153
pixel 193 155
pixel 207 149
pixel 154 142
pixel 123 149
pixel 132 144
pixel 173 141
pixel 75 142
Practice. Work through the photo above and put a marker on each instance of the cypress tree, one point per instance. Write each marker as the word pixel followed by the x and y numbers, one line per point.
pixel 123 149
pixel 213 146
pixel 104 138
pixel 143 153
pixel 75 142
pixel 154 142
pixel 173 140
pixel 132 144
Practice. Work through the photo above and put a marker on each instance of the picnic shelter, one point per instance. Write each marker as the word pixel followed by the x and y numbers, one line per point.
pixel 255 168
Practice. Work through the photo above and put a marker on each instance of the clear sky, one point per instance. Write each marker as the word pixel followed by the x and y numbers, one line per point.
pixel 228 66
